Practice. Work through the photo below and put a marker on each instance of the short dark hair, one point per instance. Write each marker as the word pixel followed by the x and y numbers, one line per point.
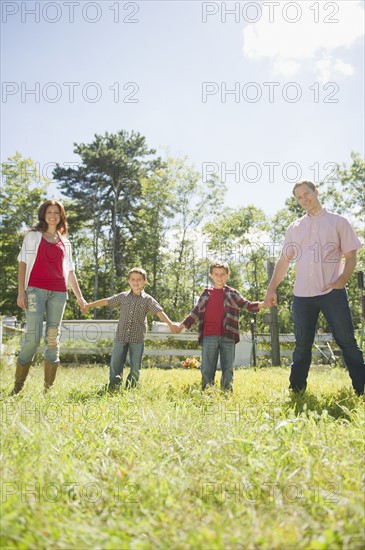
pixel 138 270
pixel 219 265
pixel 310 184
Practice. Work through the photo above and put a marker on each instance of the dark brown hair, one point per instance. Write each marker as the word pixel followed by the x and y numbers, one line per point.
pixel 42 225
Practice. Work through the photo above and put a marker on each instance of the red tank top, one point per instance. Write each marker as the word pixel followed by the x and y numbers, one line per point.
pixel 47 272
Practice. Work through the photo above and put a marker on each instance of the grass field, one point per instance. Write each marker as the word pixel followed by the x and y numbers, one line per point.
pixel 165 466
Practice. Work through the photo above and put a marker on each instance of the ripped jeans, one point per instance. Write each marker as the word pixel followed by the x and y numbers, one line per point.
pixel 42 302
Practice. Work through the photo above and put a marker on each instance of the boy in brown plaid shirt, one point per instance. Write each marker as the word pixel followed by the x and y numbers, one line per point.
pixel 132 326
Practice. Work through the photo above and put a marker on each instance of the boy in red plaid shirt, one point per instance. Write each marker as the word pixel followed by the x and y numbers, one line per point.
pixel 217 311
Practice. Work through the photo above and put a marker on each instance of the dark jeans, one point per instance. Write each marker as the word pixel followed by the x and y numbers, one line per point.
pixel 336 310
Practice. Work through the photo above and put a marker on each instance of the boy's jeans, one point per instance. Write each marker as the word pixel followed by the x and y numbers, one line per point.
pixel 42 301
pixel 118 359
pixel 211 347
pixel 335 308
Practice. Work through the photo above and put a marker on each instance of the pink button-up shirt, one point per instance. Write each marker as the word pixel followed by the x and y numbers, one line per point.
pixel 317 244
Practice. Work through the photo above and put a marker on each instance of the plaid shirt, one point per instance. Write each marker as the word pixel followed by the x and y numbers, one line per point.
pixel 232 302
pixel 132 325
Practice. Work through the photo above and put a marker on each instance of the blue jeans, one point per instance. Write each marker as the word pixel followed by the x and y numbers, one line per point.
pixel 336 310
pixel 212 346
pixel 42 302
pixel 118 359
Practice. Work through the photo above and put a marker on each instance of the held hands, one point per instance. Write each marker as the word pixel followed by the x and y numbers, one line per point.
pixel 176 328
pixel 82 303
pixel 270 299
pixel 86 308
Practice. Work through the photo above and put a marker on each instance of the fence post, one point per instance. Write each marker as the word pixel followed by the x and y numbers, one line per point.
pixel 274 324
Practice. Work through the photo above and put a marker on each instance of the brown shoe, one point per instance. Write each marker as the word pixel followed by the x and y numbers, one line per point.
pixel 21 373
pixel 50 370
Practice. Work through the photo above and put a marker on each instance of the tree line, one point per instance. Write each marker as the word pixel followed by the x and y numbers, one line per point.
pixel 127 206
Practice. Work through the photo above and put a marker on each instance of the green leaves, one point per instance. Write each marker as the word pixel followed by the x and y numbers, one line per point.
pixel 21 194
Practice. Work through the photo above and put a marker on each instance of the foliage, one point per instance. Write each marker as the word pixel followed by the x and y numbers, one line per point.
pixel 194 203
pixel 240 237
pixel 167 466
pixel 154 218
pixel 126 207
pixel 22 192
pixel 106 189
pixel 344 194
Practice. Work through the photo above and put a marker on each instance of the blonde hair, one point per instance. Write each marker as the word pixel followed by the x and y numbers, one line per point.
pixel 138 270
pixel 219 265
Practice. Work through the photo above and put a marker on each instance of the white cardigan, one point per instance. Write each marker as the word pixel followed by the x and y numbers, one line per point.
pixel 29 249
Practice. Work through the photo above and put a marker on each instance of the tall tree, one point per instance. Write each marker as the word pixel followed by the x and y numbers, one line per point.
pixel 154 219
pixel 194 204
pixel 240 237
pixel 21 193
pixel 107 188
pixel 345 194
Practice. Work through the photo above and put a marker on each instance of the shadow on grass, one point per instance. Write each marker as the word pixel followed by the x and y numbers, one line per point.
pixel 193 390
pixel 81 396
pixel 340 405
pixel 5 392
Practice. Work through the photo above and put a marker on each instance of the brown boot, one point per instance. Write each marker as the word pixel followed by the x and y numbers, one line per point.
pixel 50 370
pixel 21 373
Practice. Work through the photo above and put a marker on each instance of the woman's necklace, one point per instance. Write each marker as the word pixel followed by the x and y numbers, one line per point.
pixel 51 237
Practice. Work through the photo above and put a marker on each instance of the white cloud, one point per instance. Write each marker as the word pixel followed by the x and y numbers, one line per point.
pixel 344 68
pixel 323 70
pixel 327 68
pixel 287 67
pixel 290 46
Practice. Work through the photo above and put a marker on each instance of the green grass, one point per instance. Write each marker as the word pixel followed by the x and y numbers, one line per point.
pixel 165 466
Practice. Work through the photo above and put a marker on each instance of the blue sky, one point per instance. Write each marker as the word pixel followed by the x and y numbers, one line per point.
pixel 175 61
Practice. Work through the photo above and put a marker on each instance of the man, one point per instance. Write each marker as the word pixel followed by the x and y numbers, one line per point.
pixel 317 242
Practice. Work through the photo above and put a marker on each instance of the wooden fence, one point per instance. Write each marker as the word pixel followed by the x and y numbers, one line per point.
pixel 90 332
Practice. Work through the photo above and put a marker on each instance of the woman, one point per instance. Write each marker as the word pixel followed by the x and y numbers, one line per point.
pixel 45 268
